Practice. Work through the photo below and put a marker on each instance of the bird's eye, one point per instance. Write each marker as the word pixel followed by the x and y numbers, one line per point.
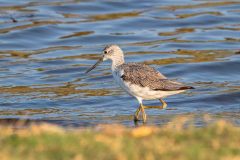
pixel 105 52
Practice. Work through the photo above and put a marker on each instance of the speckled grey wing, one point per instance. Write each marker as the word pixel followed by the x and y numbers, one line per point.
pixel 146 76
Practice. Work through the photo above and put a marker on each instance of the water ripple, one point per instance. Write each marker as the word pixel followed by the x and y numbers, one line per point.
pixel 45 48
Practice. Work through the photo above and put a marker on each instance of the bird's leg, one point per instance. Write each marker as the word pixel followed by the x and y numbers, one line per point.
pixel 144 116
pixel 164 105
pixel 137 113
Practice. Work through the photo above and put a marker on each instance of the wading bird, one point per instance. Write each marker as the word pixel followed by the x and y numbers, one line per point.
pixel 139 80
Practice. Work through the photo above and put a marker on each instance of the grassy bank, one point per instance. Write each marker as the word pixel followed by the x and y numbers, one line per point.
pixel 49 142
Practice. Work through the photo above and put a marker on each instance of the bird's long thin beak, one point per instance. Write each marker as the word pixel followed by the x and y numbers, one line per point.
pixel 95 65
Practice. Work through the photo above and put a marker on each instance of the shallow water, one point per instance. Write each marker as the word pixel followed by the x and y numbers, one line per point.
pixel 45 48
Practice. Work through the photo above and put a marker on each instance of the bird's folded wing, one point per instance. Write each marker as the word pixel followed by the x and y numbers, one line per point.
pixel 146 76
pixel 167 85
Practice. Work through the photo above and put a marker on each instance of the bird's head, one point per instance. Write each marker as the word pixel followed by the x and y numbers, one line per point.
pixel 112 52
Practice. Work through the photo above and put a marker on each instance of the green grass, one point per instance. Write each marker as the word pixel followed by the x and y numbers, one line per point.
pixel 48 142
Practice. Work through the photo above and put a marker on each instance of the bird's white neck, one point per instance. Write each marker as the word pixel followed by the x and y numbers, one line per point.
pixel 117 62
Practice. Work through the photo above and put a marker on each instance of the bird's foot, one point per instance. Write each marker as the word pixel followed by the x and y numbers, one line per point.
pixel 136 118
